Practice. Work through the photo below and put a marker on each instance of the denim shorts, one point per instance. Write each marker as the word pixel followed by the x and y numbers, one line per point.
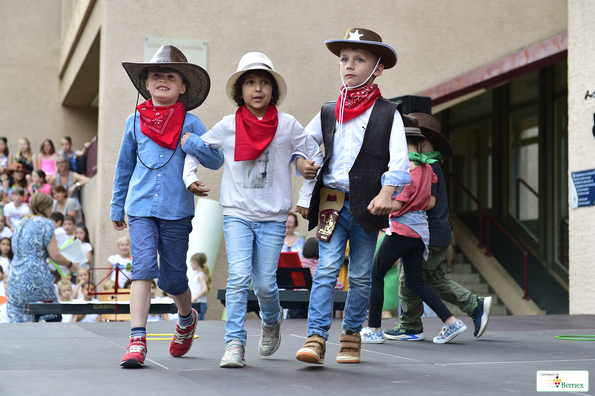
pixel 150 236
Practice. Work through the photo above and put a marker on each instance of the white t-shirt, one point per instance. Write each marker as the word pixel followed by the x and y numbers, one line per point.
pixel 14 214
pixel 196 287
pixel 155 317
pixel 91 317
pixel 86 246
pixel 125 265
pixel 5 263
pixel 6 233
pixel 60 236
pixel 257 190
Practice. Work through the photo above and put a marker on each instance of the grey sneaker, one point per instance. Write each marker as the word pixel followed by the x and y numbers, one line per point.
pixel 234 355
pixel 449 332
pixel 270 337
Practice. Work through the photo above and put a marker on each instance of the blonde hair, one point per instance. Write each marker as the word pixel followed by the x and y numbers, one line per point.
pixel 63 283
pixel 29 154
pixel 123 239
pixel 201 260
pixel 81 270
pixel 39 204
pixel 109 284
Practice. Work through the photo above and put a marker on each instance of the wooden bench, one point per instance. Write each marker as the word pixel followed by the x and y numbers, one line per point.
pixel 38 309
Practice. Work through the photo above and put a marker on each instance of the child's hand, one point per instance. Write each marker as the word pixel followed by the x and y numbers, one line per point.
pixel 382 203
pixel 307 168
pixel 119 225
pixel 184 138
pixel 197 188
pixel 303 211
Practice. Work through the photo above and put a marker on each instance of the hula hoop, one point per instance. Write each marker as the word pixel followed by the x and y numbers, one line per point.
pixel 576 337
pixel 162 337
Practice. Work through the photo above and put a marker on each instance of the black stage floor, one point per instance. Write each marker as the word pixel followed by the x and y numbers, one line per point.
pixel 83 359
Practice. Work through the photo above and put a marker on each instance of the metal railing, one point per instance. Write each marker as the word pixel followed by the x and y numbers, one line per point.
pixel 517 244
pixel 489 219
pixel 475 199
pixel 520 181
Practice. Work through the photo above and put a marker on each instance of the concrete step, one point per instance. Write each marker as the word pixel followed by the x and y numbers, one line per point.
pixel 468 277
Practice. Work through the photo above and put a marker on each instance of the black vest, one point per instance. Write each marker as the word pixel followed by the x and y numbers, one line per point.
pixel 365 176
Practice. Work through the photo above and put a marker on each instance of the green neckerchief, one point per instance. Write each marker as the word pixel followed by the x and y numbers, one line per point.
pixel 419 158
pixel 437 155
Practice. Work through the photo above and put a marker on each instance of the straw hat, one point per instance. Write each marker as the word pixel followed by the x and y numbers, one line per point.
pixel 430 127
pixel 368 40
pixel 256 61
pixel 196 78
pixel 16 167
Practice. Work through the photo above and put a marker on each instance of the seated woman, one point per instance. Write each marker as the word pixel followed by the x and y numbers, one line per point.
pixel 65 205
pixel 293 242
pixel 71 181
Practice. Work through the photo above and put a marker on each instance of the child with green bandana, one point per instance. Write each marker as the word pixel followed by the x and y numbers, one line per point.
pixel 410 326
pixel 408 238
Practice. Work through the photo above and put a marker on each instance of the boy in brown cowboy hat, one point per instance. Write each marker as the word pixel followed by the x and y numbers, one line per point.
pixel 258 142
pixel 436 146
pixel 148 188
pixel 407 238
pixel 365 164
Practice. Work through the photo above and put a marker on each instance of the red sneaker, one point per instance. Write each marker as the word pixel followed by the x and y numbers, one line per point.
pixel 183 338
pixel 137 351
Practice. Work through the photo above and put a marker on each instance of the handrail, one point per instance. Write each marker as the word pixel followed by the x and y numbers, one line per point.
pixel 476 200
pixel 520 181
pixel 517 244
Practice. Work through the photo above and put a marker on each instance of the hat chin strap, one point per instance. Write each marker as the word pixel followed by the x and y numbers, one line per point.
pixel 344 94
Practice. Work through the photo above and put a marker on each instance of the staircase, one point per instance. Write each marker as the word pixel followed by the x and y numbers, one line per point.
pixel 464 274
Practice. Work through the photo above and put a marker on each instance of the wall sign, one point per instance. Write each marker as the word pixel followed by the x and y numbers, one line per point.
pixel 582 189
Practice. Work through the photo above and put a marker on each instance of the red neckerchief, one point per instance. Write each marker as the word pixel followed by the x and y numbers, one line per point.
pixel 357 101
pixel 162 124
pixel 254 135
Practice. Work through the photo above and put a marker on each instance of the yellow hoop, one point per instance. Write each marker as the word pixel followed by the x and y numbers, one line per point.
pixel 157 337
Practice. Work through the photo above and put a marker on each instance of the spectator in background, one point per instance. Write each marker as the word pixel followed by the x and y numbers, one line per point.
pixel 65 205
pixel 5 231
pixel 58 218
pixel 16 177
pixel 5 158
pixel 25 155
pixel 33 243
pixel 74 157
pixel 293 242
pixel 38 184
pixel 71 181
pixel 15 210
pixel 45 160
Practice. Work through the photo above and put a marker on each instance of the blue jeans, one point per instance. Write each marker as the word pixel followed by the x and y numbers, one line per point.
pixel 253 251
pixel 203 310
pixel 332 255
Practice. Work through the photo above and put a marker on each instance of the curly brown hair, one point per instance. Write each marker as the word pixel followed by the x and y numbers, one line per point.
pixel 237 87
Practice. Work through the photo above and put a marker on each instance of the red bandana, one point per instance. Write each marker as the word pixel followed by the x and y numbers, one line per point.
pixel 161 124
pixel 254 135
pixel 357 101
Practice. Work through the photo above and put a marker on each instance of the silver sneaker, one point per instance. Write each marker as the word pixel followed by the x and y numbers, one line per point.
pixel 234 355
pixel 270 337
pixel 449 332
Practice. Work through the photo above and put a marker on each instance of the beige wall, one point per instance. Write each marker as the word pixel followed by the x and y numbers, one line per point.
pixel 435 40
pixel 581 144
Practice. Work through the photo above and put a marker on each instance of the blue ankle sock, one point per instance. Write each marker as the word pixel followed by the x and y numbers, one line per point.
pixel 138 332
pixel 185 321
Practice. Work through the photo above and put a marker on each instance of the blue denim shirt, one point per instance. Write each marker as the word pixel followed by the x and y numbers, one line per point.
pixel 160 193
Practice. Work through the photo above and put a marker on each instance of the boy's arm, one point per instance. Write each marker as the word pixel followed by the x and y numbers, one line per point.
pixel 432 202
pixel 191 181
pixel 124 168
pixel 192 144
pixel 304 147
pixel 314 130
pixel 397 175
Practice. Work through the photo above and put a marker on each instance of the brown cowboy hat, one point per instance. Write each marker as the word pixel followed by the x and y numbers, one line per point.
pixel 16 167
pixel 411 127
pixel 368 40
pixel 430 127
pixel 196 78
